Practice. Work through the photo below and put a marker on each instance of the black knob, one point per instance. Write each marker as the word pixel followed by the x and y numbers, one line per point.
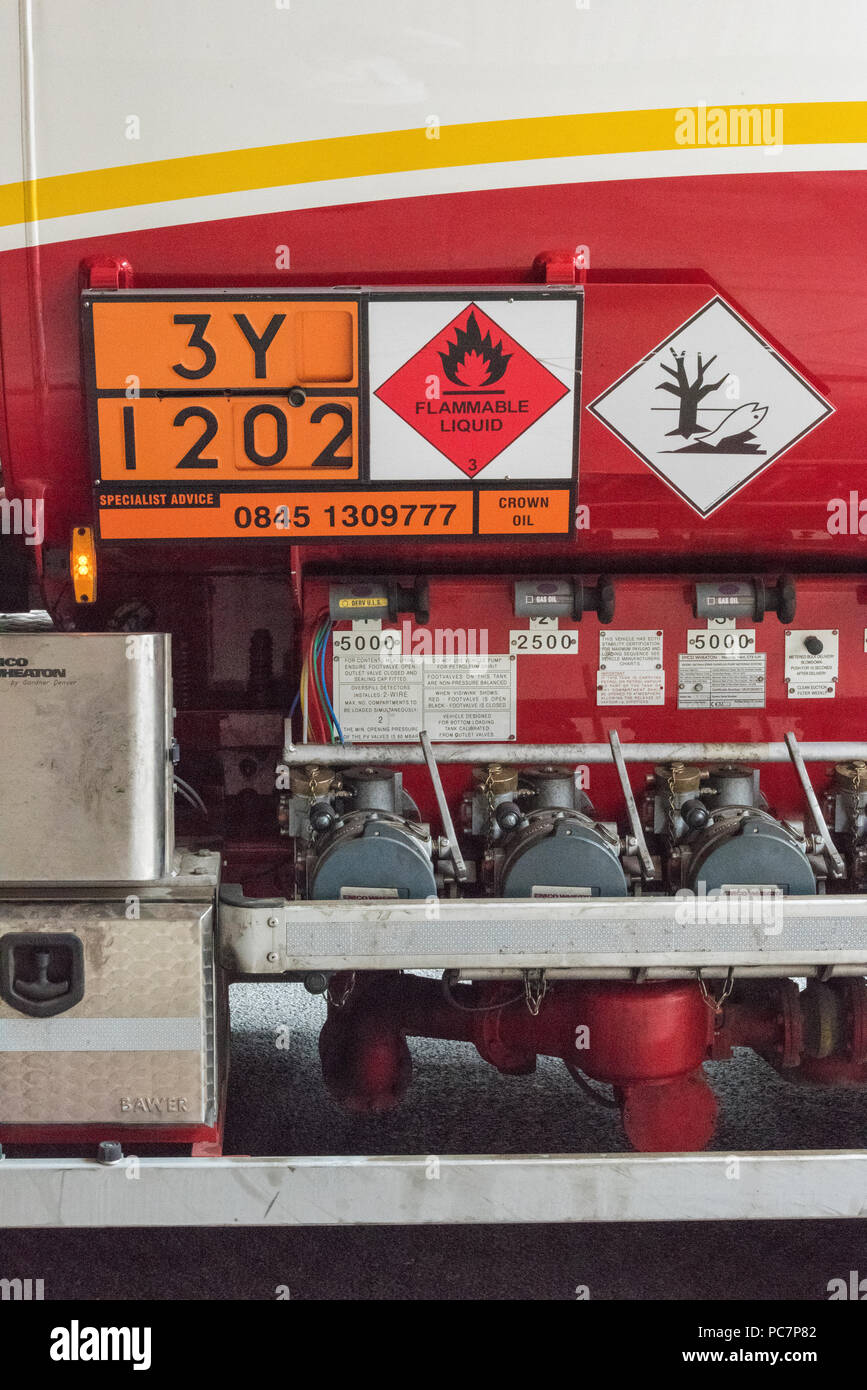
pixel 415 600
pixel 695 815
pixel 597 598
pixel 322 816
pixel 814 645
pixel 296 396
pixel 779 598
pixel 508 815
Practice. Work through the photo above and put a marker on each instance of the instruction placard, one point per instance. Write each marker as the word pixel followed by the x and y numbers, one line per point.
pixel 376 700
pixel 389 699
pixel 812 657
pixel 630 667
pixel 630 687
pixel 624 647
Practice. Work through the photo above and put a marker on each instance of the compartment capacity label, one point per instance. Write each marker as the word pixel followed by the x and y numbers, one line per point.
pixel 727 641
pixel 544 637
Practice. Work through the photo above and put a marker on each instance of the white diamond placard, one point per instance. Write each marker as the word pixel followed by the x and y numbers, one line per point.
pixel 711 406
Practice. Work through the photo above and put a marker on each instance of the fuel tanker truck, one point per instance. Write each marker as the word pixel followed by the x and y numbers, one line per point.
pixel 433 452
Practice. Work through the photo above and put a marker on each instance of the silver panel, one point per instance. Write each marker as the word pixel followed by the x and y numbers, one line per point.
pixel 140 1047
pixel 601 938
pixel 411 1191
pixel 86 769
pixel 193 877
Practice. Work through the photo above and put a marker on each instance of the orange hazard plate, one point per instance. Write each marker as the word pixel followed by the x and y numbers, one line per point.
pixel 231 344
pixel 226 439
pixel 199 513
pixel 191 389
pixel 280 414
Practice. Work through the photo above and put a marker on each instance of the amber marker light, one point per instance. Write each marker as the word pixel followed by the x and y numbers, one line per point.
pixel 82 564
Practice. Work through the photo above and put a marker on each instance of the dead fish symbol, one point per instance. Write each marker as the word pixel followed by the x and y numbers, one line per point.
pixel 733 435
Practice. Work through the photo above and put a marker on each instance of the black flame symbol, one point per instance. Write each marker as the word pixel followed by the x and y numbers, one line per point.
pixel 473 361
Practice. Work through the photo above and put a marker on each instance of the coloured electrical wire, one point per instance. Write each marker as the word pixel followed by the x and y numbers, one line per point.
pixel 318 718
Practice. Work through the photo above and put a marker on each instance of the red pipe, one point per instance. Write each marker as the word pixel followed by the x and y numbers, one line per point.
pixel 647 1040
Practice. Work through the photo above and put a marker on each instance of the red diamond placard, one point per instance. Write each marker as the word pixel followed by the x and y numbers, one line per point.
pixel 471 391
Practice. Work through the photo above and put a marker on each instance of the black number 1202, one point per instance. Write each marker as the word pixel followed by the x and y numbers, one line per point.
pixel 195 457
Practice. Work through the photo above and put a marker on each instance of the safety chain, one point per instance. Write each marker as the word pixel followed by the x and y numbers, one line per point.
pixel 672 804
pixel 535 989
pixel 488 790
pixel 716 1005
pixel 313 790
pixel 855 806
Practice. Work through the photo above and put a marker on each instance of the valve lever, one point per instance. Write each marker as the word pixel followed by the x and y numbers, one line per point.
pixel 445 814
pixel 833 855
pixel 631 809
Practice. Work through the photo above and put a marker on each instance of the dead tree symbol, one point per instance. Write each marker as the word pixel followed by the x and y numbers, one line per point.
pixel 690 394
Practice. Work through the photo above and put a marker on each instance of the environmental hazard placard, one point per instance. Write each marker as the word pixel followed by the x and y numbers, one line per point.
pixel 711 406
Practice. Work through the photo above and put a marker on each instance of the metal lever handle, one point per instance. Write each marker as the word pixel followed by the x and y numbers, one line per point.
pixel 445 814
pixel 631 809
pixel 838 868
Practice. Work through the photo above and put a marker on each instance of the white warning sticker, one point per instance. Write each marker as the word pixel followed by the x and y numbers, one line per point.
pixel 378 701
pixel 621 648
pixel 470 698
pixel 383 699
pixel 630 687
pixel 705 682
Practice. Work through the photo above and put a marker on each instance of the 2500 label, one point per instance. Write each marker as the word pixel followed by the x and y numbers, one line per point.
pixel 535 643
